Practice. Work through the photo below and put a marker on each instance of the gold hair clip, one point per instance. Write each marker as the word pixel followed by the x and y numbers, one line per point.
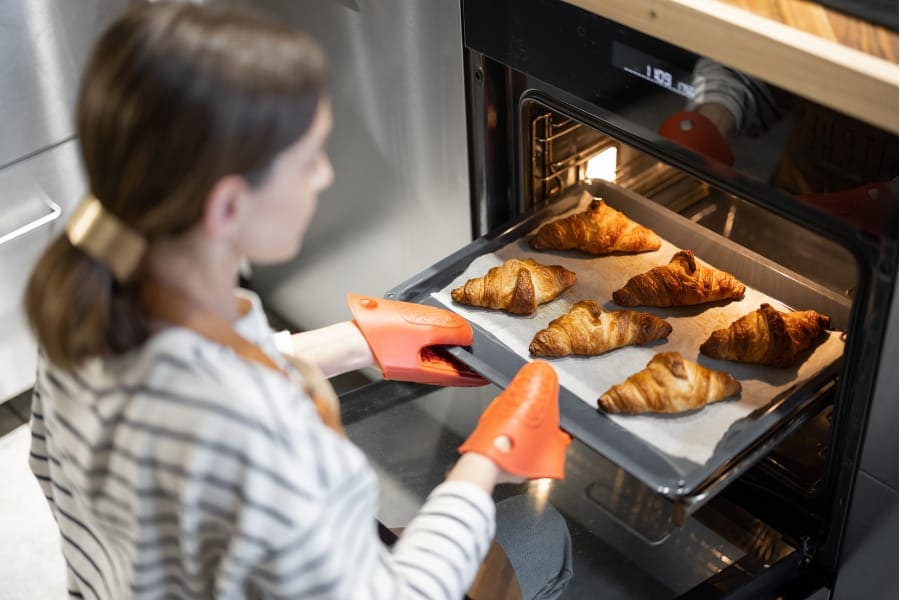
pixel 101 234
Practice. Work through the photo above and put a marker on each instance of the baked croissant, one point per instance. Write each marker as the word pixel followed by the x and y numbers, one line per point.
pixel 588 330
pixel 766 336
pixel 669 384
pixel 600 229
pixel 516 286
pixel 682 282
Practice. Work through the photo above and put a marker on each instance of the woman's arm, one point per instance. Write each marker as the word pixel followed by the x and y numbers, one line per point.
pixel 390 334
pixel 335 349
pixel 318 532
pixel 753 105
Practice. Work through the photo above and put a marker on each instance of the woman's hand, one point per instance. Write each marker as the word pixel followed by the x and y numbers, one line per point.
pixel 482 471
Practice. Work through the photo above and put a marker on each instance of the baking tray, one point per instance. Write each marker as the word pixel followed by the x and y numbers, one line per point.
pixel 682 478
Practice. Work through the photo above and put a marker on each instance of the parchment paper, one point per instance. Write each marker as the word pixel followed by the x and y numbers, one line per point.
pixel 692 435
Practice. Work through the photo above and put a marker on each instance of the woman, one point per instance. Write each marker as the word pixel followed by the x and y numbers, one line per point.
pixel 179 450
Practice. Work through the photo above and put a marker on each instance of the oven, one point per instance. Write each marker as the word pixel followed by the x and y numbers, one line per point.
pixel 564 105
pixel 553 90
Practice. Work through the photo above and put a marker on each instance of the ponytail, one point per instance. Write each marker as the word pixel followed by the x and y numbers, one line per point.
pixel 77 310
pixel 173 98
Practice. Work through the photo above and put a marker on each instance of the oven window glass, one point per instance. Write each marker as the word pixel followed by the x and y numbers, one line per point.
pixel 560 152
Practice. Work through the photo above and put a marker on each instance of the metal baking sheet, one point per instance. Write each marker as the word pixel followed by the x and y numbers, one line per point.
pixel 675 455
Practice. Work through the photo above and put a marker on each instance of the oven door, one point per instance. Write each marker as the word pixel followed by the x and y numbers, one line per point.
pixel 624 543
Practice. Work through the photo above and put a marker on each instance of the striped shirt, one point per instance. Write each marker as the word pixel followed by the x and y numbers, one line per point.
pixel 180 470
pixel 754 105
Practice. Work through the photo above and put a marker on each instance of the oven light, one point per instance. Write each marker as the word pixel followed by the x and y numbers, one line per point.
pixel 722 557
pixel 603 165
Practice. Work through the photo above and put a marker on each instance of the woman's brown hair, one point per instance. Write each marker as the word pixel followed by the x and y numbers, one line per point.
pixel 174 97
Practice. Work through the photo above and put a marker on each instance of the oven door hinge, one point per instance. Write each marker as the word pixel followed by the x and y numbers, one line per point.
pixel 806 550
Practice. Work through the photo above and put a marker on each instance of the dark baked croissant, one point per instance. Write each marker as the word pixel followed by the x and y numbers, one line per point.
pixel 516 286
pixel 766 336
pixel 600 229
pixel 588 330
pixel 669 384
pixel 682 282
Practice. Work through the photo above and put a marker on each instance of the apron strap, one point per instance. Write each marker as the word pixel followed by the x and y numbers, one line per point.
pixel 170 306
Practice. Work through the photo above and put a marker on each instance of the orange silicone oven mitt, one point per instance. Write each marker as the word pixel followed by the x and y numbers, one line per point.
pixel 698 133
pixel 402 336
pixel 527 413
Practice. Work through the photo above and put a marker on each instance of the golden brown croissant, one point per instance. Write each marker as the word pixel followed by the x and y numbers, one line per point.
pixel 516 286
pixel 682 282
pixel 669 384
pixel 600 229
pixel 766 336
pixel 588 330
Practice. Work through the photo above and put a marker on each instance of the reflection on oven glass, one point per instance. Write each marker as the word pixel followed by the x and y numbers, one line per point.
pixel 540 490
pixel 564 152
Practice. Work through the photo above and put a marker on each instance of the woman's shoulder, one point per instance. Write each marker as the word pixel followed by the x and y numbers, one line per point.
pixel 181 376
pixel 183 358
pixel 224 395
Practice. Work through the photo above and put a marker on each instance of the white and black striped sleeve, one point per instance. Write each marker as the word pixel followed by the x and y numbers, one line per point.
pixel 441 549
pixel 336 551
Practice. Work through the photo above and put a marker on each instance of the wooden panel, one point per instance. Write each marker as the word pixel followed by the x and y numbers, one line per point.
pixel 828 24
pixel 809 62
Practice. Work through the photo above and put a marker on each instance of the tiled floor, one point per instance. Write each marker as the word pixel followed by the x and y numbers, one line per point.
pixel 13 413
pixel 31 562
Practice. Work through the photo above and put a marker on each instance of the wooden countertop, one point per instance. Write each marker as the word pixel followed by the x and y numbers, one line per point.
pixel 835 60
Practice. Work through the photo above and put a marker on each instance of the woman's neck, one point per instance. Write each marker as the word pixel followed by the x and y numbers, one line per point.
pixel 202 272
